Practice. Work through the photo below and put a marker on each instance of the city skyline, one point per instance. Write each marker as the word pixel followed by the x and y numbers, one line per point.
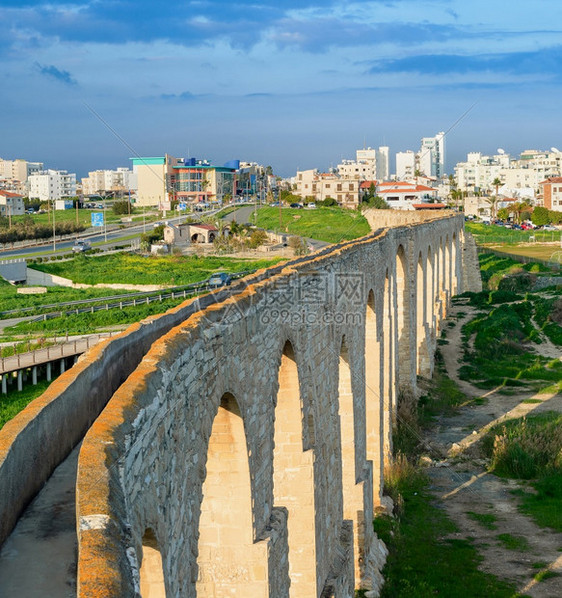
pixel 298 86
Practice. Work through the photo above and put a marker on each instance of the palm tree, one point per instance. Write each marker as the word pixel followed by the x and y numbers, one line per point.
pixel 520 208
pixel 497 184
pixel 492 201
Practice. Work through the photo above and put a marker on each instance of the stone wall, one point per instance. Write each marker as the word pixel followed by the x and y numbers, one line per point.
pixel 251 438
pixel 40 437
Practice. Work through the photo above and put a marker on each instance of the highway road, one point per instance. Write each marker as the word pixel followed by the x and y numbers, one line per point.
pixel 114 237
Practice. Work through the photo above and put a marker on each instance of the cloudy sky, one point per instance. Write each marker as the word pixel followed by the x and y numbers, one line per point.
pixel 86 85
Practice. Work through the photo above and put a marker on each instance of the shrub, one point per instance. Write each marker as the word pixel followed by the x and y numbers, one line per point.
pixel 122 207
pixel 526 448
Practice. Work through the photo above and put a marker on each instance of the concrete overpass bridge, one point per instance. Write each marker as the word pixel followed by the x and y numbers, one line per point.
pixel 242 445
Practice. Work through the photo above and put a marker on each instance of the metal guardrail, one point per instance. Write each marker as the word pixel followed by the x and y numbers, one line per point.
pixel 145 298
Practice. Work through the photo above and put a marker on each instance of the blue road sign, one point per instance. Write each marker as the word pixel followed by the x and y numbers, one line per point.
pixel 97 218
pixel 182 206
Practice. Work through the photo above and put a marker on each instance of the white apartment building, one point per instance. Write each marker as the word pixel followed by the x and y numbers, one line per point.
pixel 121 180
pixel 369 164
pixel 479 171
pixel 50 185
pixel 432 155
pixel 405 165
pixel 11 204
pixel 519 177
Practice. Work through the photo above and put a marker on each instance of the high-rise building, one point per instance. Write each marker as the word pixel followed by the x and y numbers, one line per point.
pixel 432 155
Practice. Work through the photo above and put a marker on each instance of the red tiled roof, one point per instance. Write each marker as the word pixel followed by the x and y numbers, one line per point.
pixel 367 184
pixel 10 194
pixel 554 179
pixel 205 226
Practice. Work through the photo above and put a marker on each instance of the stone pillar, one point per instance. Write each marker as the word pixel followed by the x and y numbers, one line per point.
pixel 20 380
pixel 49 374
pixel 34 375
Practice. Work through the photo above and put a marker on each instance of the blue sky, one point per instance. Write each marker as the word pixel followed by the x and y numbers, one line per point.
pixel 291 84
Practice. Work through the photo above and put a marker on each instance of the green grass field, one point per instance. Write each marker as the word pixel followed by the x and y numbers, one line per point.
pixel 10 299
pixel 12 403
pixel 135 269
pixel 332 225
pixel 486 234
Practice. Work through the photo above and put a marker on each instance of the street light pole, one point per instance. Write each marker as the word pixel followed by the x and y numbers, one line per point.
pixel 105 218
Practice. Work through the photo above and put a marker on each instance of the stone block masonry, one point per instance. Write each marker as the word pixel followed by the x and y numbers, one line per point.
pixel 244 455
pixel 251 439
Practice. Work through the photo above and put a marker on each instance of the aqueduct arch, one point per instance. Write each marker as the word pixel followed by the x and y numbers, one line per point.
pixel 230 560
pixel 222 400
pixel 293 478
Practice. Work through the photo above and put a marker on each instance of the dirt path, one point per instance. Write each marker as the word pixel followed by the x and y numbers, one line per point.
pixel 467 491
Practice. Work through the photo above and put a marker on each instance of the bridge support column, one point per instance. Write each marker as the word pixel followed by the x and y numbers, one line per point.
pixel 62 366
pixel 20 380
pixel 34 375
pixel 49 373
pixel 4 385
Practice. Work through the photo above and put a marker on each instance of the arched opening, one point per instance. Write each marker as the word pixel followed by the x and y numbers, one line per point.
pixel 353 501
pixel 388 370
pixel 403 321
pixel 373 398
pixel 293 479
pixel 440 299
pixel 422 350
pixel 151 571
pixel 454 270
pixel 430 300
pixel 230 563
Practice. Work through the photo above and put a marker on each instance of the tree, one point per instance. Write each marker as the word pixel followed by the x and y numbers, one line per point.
pixel 540 216
pixel 378 203
pixel 503 213
pixel 520 208
pixel 492 201
pixel 121 207
pixel 497 184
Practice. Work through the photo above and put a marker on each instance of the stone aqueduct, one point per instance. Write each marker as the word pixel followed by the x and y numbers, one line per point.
pixel 244 455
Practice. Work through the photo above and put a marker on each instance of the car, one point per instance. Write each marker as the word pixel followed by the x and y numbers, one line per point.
pixel 296 205
pixel 30 211
pixel 549 227
pixel 220 279
pixel 311 206
pixel 275 204
pixel 100 206
pixel 81 246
